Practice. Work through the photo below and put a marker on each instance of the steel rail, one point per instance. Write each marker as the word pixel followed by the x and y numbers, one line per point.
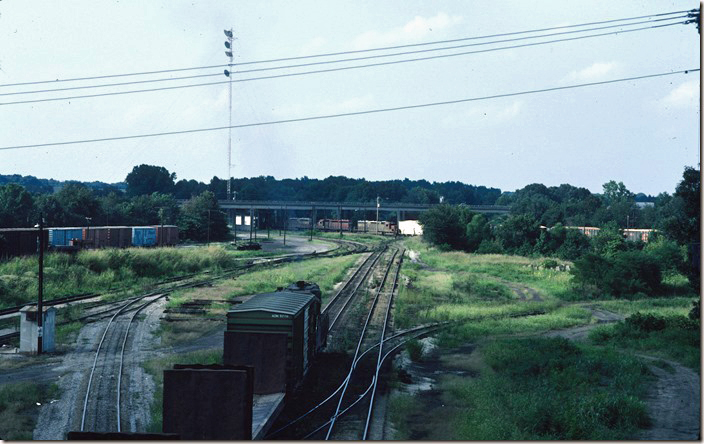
pixel 95 361
pixel 122 354
pixel 359 345
pixel 427 329
pixel 363 278
pixel 359 399
pixel 381 348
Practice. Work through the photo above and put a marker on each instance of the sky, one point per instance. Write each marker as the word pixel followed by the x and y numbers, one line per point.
pixel 640 132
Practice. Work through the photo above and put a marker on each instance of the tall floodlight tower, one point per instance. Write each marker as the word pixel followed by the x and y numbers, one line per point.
pixel 228 53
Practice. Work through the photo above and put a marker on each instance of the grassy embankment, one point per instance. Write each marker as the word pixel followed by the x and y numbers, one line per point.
pixel 532 387
pixel 121 270
pixel 19 406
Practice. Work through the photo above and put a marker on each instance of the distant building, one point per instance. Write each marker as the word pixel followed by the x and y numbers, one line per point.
pixel 410 228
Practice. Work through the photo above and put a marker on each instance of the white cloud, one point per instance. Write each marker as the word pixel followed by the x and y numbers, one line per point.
pixel 683 96
pixel 484 116
pixel 597 71
pixel 416 29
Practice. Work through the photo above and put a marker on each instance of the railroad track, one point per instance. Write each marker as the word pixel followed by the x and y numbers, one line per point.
pixel 102 405
pixel 189 280
pixel 360 383
pixel 391 345
pixel 372 333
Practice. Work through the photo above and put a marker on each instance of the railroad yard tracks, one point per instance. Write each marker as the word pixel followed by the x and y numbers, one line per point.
pixel 347 413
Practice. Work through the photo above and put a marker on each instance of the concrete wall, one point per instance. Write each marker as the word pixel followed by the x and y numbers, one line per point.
pixel 266 352
pixel 208 402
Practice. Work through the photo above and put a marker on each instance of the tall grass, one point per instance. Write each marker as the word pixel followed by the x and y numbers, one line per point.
pixel 672 337
pixel 19 407
pixel 549 389
pixel 102 270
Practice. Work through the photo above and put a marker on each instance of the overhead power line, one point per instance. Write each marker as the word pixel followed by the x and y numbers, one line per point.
pixel 349 114
pixel 164 71
pixel 342 68
pixel 355 59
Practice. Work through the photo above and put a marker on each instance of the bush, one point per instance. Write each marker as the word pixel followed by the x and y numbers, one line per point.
pixel 623 274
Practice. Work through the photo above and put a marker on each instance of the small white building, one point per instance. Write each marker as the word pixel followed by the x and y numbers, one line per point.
pixel 29 329
pixel 410 228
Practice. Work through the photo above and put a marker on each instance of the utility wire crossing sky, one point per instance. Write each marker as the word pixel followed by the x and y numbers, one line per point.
pixel 472 73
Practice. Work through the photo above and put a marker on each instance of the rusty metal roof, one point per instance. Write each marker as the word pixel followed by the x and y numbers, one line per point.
pixel 285 302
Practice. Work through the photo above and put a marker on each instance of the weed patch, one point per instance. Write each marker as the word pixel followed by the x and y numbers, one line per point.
pixel 19 407
pixel 551 389
pixel 671 337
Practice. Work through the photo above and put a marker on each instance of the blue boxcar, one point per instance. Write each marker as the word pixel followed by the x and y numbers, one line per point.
pixel 143 236
pixel 63 236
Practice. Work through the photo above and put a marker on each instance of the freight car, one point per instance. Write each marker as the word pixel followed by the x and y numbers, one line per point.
pixel 65 236
pixel 20 241
pixel 286 321
pixel 333 224
pixel 373 227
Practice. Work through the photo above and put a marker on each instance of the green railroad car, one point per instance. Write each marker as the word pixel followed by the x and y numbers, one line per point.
pixel 295 314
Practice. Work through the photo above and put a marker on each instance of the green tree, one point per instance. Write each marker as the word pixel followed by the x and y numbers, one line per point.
pixel 478 230
pixel 609 240
pixel 201 219
pixel 16 206
pixel 518 234
pixel 78 203
pixel 147 179
pixel 445 226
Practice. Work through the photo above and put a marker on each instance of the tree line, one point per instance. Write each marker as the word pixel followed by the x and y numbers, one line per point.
pixel 607 263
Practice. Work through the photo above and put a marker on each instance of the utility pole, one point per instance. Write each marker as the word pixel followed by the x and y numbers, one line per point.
pixel 285 223
pixel 208 227
pixel 377 214
pixel 40 305
pixel 228 53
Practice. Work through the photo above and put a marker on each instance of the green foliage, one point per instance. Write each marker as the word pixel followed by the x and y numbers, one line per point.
pixel 446 225
pixel 18 408
pixel 668 254
pixel 101 270
pixel 15 206
pixel 148 179
pixel 478 231
pixel 552 389
pixel 415 350
pixel 518 234
pixel 619 275
pixel 672 337
pixel 201 219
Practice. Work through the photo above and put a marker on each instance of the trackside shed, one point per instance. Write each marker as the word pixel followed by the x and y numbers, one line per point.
pixel 292 313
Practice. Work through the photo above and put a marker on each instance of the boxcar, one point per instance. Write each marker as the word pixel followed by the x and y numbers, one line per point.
pixel 62 236
pixel 108 237
pixel 21 241
pixel 143 236
pixel 166 235
pixel 285 312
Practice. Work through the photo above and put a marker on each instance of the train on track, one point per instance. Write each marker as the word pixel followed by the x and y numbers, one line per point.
pixel 360 226
pixel 25 241
pixel 286 323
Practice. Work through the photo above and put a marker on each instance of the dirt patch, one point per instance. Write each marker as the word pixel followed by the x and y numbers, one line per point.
pixel 674 403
